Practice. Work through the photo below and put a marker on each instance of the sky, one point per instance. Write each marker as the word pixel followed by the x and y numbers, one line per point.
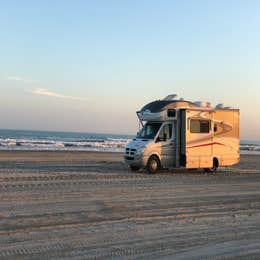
pixel 88 66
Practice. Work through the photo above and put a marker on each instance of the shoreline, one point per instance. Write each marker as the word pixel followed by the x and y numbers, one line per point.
pixel 62 156
pixel 103 157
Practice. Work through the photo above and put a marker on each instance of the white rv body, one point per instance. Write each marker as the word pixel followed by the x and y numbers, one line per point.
pixel 185 134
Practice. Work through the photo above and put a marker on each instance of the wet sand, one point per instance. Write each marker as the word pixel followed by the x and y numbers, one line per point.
pixel 87 205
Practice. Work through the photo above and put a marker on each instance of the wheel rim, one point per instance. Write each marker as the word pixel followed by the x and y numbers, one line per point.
pixel 153 165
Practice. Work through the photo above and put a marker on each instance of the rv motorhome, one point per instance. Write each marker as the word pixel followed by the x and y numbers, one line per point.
pixel 178 133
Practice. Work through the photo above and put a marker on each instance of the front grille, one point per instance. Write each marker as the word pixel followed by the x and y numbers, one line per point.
pixel 129 151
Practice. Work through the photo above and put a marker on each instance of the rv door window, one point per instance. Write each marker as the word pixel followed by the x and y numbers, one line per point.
pixel 165 133
pixel 199 126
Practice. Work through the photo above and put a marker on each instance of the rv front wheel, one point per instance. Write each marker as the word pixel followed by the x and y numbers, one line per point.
pixel 153 164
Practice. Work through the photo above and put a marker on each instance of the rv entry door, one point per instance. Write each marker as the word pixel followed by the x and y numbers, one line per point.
pixel 198 139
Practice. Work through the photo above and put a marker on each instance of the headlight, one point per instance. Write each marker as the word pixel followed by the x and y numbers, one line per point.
pixel 140 151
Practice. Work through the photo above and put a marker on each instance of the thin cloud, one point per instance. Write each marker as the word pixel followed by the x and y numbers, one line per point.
pixel 15 78
pixel 46 92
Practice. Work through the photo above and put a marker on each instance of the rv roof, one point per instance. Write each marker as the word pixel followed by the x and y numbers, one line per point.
pixel 159 105
pixel 171 97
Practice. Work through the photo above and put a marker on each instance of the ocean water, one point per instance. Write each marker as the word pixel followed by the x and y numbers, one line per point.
pixel 62 141
pixel 250 147
pixel 71 141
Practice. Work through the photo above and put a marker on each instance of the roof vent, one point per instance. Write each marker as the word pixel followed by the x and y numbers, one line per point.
pixel 220 105
pixel 202 104
pixel 170 97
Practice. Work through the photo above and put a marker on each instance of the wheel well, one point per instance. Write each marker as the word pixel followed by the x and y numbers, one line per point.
pixel 215 162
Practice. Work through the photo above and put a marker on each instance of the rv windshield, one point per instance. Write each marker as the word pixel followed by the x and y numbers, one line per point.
pixel 149 131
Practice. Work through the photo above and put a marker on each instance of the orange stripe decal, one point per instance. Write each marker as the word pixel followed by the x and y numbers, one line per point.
pixel 201 145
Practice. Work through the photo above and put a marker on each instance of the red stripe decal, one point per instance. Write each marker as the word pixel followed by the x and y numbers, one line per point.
pixel 200 145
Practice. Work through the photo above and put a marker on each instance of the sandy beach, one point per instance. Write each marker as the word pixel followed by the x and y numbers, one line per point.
pixel 89 205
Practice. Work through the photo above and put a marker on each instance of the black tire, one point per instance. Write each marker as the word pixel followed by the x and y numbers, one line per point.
pixel 134 168
pixel 213 169
pixel 153 165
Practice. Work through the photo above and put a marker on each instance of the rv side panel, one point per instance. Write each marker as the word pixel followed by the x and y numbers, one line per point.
pixel 226 136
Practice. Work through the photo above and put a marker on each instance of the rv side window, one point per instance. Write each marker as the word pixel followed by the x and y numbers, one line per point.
pixel 171 113
pixel 199 126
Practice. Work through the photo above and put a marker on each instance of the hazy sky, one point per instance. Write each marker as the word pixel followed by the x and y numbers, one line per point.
pixel 89 65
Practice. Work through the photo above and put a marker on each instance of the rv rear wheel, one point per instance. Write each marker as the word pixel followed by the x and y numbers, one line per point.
pixel 213 169
pixel 153 164
pixel 134 168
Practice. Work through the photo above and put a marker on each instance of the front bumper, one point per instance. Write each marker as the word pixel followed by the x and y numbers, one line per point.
pixel 135 160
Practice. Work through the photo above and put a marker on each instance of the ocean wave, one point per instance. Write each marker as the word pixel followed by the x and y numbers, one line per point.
pixel 249 147
pixel 108 144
